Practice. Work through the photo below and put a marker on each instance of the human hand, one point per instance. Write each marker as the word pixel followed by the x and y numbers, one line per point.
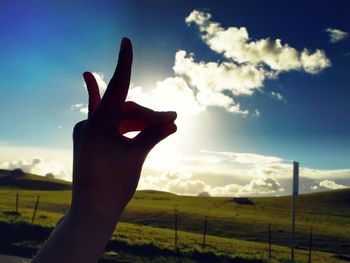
pixel 107 165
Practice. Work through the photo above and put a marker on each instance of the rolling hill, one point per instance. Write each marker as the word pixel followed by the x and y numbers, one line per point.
pixel 327 213
pixel 31 182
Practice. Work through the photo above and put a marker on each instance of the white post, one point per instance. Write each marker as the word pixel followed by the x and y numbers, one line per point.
pixel 294 199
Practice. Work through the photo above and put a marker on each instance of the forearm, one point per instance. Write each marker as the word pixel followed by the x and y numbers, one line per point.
pixel 77 238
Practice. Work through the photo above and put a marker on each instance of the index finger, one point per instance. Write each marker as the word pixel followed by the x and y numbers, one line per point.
pixel 118 87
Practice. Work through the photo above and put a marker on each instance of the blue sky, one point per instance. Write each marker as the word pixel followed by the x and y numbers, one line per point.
pixel 297 115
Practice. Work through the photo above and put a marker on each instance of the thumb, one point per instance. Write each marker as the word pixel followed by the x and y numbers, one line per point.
pixel 152 135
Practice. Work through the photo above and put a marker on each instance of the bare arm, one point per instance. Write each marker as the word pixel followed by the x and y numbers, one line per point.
pixel 106 165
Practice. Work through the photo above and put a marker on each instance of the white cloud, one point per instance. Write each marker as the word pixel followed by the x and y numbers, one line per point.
pixel 218 173
pixel 234 43
pixel 82 108
pixel 245 158
pixel 277 96
pixel 186 184
pixel 37 166
pixel 179 183
pixel 336 35
pixel 215 77
pixel 229 174
pixel 56 161
pixel 259 186
pixel 76 106
pixel 256 113
pixel 199 85
pixel 210 80
pixel 332 185
pixel 169 94
pixel 189 187
pixel 318 174
pixel 249 64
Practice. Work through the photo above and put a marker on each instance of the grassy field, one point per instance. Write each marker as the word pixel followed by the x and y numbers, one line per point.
pixel 234 230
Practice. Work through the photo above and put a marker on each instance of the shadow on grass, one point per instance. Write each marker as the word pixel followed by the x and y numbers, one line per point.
pixel 24 239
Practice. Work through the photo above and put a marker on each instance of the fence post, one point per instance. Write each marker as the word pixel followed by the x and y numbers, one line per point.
pixel 35 208
pixel 310 245
pixel 295 193
pixel 269 238
pixel 175 226
pixel 204 231
pixel 17 197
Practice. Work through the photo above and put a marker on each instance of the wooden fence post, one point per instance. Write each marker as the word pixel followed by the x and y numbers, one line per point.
pixel 17 197
pixel 175 226
pixel 295 193
pixel 310 245
pixel 35 208
pixel 204 231
pixel 269 238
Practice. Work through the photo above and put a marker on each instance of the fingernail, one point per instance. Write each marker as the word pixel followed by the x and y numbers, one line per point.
pixel 85 75
pixel 123 45
pixel 169 114
pixel 173 114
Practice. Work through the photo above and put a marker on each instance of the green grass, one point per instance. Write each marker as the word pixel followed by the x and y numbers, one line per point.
pixel 327 213
pixel 234 230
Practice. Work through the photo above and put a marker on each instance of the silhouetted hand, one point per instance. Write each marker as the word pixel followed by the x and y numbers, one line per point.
pixel 106 166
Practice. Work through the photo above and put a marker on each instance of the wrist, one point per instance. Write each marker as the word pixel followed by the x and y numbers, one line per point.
pixel 78 237
pixel 92 217
pixel 93 210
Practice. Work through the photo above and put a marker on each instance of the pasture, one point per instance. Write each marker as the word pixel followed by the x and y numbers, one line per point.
pixel 235 230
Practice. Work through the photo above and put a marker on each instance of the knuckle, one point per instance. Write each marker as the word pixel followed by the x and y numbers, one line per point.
pixel 77 128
